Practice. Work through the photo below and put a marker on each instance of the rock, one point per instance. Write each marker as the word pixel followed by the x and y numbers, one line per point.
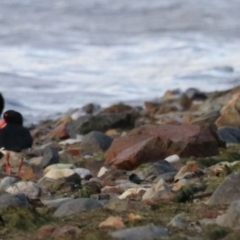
pixel 172 94
pixel 102 123
pixel 50 156
pixel 59 173
pixel 77 205
pixel 209 118
pixel 90 188
pixel 55 203
pixel 214 170
pixel 173 158
pixel 36 162
pixel 133 217
pixel 152 108
pixel 150 143
pixel 118 108
pixel 82 172
pixel 179 184
pixel 229 134
pixel 74 152
pixel 71 141
pixel 232 217
pixel 185 102
pixel 119 188
pixel 191 167
pixel 135 178
pixel 29 189
pixel 58 166
pixel 160 190
pixel 167 177
pixel 102 171
pixel 13 200
pixel 114 174
pixel 117 205
pixel 91 108
pixel 195 94
pixel 179 221
pixel 30 173
pixel 96 142
pixel 66 158
pixel 7 182
pixel 112 222
pixel 158 168
pixel 56 232
pixel 45 232
pixel 64 119
pixel 59 132
pixel 132 192
pixel 66 232
pixel 230 115
pixel 65 184
pixel 141 233
pixel 228 191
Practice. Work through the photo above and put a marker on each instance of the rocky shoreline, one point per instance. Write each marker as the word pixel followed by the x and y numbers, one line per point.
pixel 165 170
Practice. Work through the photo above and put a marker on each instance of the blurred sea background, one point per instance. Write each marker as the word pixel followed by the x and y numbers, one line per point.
pixel 62 54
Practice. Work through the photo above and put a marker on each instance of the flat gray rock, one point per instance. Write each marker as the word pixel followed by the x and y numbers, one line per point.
pixel 55 203
pixel 50 156
pixel 228 191
pixel 229 134
pixel 232 217
pixel 96 141
pixel 158 168
pixel 13 200
pixel 103 122
pixel 148 232
pixel 7 182
pixel 77 205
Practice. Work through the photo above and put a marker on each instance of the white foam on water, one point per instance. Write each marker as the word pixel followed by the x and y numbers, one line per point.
pixel 65 54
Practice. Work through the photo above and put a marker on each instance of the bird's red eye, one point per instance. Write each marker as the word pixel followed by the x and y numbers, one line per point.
pixel 5 115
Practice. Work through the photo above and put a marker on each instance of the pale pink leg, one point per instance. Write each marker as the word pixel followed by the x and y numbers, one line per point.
pixel 8 166
pixel 20 167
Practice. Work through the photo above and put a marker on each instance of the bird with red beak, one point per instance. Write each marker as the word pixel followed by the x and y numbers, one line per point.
pixel 15 139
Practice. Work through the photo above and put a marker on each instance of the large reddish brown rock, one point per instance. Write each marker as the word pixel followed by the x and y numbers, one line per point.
pixel 154 142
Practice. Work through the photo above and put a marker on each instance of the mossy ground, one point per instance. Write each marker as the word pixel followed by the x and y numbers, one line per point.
pixel 22 223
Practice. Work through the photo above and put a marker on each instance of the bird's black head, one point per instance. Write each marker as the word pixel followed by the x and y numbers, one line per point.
pixel 1 103
pixel 12 116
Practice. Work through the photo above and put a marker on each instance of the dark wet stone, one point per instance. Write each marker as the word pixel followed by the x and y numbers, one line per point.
pixel 229 134
pixel 77 205
pixel 159 168
pixel 141 233
pixel 50 156
pixel 101 196
pixel 102 123
pixel 135 178
pixel 195 94
pixel 96 141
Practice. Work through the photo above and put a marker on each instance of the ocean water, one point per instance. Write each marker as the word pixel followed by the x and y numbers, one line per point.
pixel 62 54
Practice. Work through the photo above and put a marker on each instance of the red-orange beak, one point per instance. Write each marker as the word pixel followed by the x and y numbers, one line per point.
pixel 2 123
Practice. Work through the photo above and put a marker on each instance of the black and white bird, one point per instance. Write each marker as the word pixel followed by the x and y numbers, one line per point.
pixel 15 139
